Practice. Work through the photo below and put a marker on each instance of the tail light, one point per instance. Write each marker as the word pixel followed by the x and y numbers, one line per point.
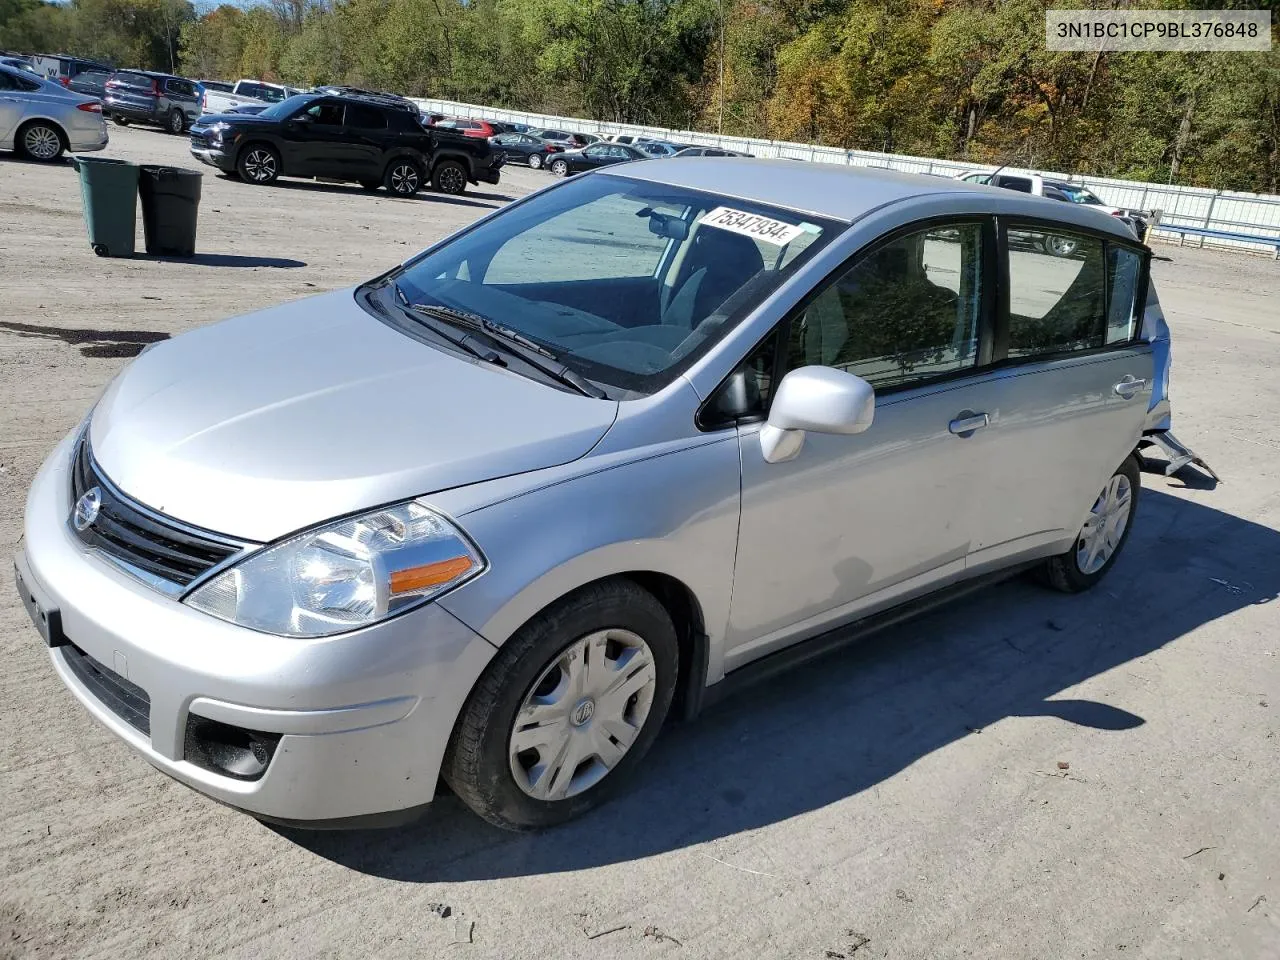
pixel 204 101
pixel 65 81
pixel 92 106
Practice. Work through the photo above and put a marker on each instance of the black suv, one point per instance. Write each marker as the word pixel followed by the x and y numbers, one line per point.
pixel 371 139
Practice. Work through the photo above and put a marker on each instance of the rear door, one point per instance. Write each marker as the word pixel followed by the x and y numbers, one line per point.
pixel 182 94
pixel 133 93
pixel 366 136
pixel 1075 382
pixel 13 99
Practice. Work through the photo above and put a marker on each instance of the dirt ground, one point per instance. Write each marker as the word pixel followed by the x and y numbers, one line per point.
pixel 1024 775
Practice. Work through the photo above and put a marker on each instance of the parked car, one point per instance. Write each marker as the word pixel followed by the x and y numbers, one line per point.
pixel 479 129
pixel 222 86
pixel 354 137
pixel 40 119
pixel 91 83
pixel 570 140
pixel 658 149
pixel 596 155
pixel 144 96
pixel 19 63
pixel 62 69
pixel 493 515
pixel 527 149
pixel 708 152
pixel 244 92
pixel 1040 186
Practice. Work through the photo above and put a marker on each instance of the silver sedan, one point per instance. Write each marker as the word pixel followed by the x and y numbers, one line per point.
pixel 599 458
pixel 41 119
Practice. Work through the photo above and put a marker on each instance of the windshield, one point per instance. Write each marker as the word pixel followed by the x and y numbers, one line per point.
pixel 1080 195
pixel 286 108
pixel 625 282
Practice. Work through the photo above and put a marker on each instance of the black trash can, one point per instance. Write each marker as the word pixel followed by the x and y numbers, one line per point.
pixel 170 199
pixel 109 189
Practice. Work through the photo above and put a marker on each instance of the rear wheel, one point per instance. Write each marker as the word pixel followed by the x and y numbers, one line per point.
pixel 119 121
pixel 177 123
pixel 1103 535
pixel 450 177
pixel 535 161
pixel 41 141
pixel 403 178
pixel 567 709
pixel 559 168
pixel 1060 246
pixel 258 164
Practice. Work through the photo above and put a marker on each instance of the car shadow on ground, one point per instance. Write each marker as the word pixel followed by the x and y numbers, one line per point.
pixel 225 260
pixel 92 343
pixel 354 189
pixel 845 723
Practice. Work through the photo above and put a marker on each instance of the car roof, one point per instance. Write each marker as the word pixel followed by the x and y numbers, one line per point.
pixel 843 193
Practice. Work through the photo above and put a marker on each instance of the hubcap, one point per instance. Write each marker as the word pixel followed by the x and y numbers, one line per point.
pixel 175 123
pixel 1061 246
pixel 42 143
pixel 404 179
pixel 260 165
pixel 559 168
pixel 535 161
pixel 1107 521
pixel 451 180
pixel 582 715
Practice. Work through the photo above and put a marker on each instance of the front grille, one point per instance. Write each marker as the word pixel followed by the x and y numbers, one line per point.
pixel 126 700
pixel 139 539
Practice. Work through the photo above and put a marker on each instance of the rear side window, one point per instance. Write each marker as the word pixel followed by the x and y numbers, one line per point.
pixel 1057 293
pixel 366 118
pixel 1124 269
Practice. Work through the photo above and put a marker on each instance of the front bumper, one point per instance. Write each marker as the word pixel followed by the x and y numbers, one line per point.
pixel 214 157
pixel 363 719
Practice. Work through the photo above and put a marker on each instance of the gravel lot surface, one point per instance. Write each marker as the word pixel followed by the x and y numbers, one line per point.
pixel 1024 775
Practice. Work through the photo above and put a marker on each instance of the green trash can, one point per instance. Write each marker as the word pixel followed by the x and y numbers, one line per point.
pixel 170 200
pixel 109 189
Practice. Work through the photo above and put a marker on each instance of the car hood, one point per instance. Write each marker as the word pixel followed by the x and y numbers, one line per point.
pixel 262 425
pixel 205 119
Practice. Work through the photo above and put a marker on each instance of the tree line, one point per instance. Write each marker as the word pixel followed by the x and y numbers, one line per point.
pixel 954 79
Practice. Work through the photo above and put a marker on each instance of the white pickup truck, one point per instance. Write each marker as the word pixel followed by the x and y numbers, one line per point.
pixel 245 93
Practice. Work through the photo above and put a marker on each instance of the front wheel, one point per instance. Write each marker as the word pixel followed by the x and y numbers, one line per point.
pixel 259 165
pixel 449 177
pixel 1102 536
pixel 559 168
pixel 567 709
pixel 535 161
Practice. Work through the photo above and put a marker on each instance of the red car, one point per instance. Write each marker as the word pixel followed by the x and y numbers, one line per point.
pixel 481 129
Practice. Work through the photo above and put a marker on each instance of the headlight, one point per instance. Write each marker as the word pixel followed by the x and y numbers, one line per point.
pixel 344 575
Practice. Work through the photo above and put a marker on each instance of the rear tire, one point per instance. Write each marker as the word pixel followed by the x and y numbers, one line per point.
pixel 535 161
pixel 565 676
pixel 177 122
pixel 41 141
pixel 258 164
pixel 119 121
pixel 403 177
pixel 1103 535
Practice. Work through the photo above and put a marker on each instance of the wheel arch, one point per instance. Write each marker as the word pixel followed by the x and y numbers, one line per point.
pixel 41 118
pixel 460 156
pixel 261 141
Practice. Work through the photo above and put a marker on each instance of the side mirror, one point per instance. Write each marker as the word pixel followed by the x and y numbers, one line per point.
pixel 820 399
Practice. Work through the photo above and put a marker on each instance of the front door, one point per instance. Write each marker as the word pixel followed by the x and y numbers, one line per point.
pixel 852 524
pixel 313 141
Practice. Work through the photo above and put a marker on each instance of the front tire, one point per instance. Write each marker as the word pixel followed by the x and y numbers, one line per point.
pixel 1102 536
pixel 258 164
pixel 567 709
pixel 449 177
pixel 41 141
pixel 559 168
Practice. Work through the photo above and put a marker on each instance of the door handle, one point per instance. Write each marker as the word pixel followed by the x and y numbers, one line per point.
pixel 1129 387
pixel 967 424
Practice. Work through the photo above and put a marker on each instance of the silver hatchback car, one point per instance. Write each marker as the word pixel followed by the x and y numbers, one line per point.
pixel 584 465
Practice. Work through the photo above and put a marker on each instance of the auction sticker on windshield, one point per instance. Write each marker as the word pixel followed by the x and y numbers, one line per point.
pixel 752 225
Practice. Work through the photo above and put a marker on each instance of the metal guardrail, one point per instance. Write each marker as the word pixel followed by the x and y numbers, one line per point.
pixel 1225 211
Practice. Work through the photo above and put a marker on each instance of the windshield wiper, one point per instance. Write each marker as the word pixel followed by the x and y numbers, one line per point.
pixel 528 350
pixel 465 342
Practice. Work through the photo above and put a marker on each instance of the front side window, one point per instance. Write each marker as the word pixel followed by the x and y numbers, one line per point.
pixel 626 282
pixel 326 114
pixel 1057 292
pixel 906 312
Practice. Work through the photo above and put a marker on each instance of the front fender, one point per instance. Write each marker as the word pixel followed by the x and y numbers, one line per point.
pixel 674 514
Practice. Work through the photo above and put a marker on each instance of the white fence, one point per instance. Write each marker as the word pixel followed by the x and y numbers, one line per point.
pixel 1226 210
